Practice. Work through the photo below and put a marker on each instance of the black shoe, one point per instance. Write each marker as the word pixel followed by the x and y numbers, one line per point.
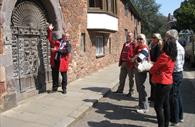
pixel 118 91
pixel 64 92
pixel 150 99
pixel 130 94
pixel 51 91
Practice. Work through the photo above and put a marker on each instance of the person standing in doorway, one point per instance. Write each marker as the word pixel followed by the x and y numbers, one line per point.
pixel 59 60
pixel 127 66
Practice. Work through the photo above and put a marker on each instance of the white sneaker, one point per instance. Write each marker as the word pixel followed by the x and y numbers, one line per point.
pixel 142 111
pixel 182 120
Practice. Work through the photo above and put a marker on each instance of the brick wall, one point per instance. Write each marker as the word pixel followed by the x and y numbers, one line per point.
pixel 75 17
pixel 75 22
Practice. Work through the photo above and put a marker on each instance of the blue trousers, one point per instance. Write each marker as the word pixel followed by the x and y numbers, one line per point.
pixel 176 108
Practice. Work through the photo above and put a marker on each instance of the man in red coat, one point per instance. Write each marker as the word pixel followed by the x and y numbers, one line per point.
pixel 59 60
pixel 127 66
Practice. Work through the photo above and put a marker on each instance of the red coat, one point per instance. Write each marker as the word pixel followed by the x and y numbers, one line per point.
pixel 162 70
pixel 64 60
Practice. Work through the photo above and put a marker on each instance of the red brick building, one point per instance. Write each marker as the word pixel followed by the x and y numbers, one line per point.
pixel 98 29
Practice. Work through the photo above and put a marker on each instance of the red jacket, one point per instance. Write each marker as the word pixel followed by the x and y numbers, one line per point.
pixel 128 51
pixel 64 60
pixel 162 70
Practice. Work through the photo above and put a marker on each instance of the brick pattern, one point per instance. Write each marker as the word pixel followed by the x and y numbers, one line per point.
pixel 75 22
pixel 75 17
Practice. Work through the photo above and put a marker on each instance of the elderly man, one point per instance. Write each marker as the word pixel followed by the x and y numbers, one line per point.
pixel 127 67
pixel 176 108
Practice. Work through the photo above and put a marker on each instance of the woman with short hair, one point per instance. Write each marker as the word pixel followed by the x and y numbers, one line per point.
pixel 141 54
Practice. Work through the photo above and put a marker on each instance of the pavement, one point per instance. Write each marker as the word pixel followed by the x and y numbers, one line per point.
pixel 59 110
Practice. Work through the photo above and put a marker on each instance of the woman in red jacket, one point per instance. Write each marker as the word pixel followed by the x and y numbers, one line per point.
pixel 162 77
pixel 60 52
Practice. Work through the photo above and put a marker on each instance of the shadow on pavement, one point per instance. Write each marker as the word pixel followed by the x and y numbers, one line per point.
pixel 106 123
pixel 119 97
pixel 97 89
pixel 188 96
pixel 117 112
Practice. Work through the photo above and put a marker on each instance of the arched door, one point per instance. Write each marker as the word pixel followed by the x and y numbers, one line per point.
pixel 29 46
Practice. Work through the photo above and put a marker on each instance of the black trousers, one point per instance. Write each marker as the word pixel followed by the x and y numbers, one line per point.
pixel 55 77
pixel 152 90
pixel 161 104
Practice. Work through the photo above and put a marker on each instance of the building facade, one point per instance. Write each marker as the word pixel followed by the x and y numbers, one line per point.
pixel 98 30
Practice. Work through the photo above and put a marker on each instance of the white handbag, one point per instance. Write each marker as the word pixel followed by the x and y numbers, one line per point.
pixel 144 66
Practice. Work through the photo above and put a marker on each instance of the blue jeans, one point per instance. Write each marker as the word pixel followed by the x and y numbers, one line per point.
pixel 176 108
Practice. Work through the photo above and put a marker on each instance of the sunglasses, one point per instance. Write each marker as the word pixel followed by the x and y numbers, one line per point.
pixel 139 38
pixel 153 37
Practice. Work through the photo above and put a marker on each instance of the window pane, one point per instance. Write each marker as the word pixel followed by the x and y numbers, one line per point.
pixel 82 42
pixel 91 3
pixel 95 3
pixel 99 45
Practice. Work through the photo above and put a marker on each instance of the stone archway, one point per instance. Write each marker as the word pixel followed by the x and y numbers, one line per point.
pixel 33 39
pixel 30 50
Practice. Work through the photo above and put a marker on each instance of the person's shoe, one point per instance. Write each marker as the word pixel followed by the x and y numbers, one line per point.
pixel 64 92
pixel 174 124
pixel 142 111
pixel 150 99
pixel 130 94
pixel 182 120
pixel 118 91
pixel 52 91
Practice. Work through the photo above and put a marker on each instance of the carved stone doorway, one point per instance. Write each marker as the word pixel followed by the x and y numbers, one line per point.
pixel 30 49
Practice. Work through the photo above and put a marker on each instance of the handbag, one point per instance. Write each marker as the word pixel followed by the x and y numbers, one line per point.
pixel 144 66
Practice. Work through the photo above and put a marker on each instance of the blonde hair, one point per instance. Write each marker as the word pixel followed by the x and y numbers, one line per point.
pixel 158 36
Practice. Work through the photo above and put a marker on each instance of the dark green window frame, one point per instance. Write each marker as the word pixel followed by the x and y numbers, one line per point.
pixel 108 6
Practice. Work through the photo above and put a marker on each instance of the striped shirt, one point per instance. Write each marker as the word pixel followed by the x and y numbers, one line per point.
pixel 179 63
pixel 143 54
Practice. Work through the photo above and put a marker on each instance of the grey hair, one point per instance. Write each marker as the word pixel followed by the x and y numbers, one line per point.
pixel 173 33
pixel 143 37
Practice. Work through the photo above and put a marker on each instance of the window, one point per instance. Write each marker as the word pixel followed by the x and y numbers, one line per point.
pixel 99 46
pixel 82 42
pixel 126 9
pixel 111 6
pixel 104 5
pixel 95 4
pixel 110 45
pixel 126 33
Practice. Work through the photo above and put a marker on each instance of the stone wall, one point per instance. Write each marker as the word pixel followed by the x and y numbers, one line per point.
pixel 2 69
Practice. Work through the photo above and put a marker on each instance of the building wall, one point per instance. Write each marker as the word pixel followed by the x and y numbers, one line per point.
pixel 75 17
pixel 74 21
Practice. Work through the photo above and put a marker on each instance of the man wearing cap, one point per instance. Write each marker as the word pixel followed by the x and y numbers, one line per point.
pixel 59 60
pixel 127 67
